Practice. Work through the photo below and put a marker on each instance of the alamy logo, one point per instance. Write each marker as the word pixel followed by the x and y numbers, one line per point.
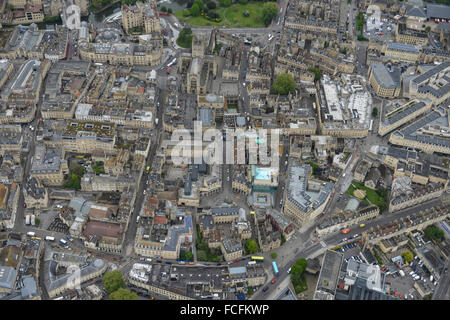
pixel 71 16
pixel 74 279
pixel 207 146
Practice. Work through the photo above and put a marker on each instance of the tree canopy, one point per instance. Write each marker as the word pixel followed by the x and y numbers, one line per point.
pixel 297 275
pixel 113 280
pixel 284 84
pixel 251 246
pixel 273 255
pixel 317 73
pixel 408 256
pixel 434 233
pixel 123 294
pixel 195 10
pixel 185 38
pixel 374 111
pixel 270 11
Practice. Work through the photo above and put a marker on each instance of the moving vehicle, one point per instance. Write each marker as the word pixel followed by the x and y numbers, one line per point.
pixel 30 234
pixel 62 241
pixel 265 289
pixel 137 219
pixel 250 263
pixel 156 121
pixel 147 169
pixel 345 230
pixel 275 268
pixel 362 225
pixel 257 258
pixel 48 238
pixel 273 281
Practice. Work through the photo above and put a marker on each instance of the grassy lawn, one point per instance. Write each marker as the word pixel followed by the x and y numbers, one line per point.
pixel 232 16
pixel 200 20
pixel 376 197
pixel 235 15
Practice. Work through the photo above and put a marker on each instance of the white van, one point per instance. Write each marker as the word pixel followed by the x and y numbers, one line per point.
pixel 137 219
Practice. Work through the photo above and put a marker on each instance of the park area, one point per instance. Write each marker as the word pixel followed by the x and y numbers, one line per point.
pixel 248 15
pixel 377 197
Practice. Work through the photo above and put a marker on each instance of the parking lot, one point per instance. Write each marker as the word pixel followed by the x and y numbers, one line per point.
pixel 351 251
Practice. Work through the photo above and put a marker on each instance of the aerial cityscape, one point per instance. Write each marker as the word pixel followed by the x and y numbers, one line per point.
pixel 224 150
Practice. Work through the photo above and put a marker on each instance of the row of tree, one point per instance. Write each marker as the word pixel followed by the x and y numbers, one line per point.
pixel 115 286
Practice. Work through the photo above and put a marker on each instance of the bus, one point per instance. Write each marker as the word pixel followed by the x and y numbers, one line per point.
pixel 371 125
pixel 63 242
pixel 35 238
pixel 172 62
pixel 258 259
pixel 48 238
pixel 30 234
pixel 275 268
pixel 79 157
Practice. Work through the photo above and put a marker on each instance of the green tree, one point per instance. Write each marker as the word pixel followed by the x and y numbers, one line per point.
pixel 37 221
pixel 211 4
pixel 434 233
pixel 113 280
pixel 200 4
pixel 251 246
pixel 428 29
pixel 201 255
pixel 227 3
pixel 284 84
pixel 123 294
pixel 189 256
pixel 169 10
pixel 408 256
pixel 269 12
pixel 195 10
pixel 185 38
pixel 243 1
pixel 360 22
pixel 273 255
pixel 299 266
pixel 98 167
pixel 163 9
pixel 362 38
pixel 317 73
pixel 97 3
pixel 297 275
pixel 374 112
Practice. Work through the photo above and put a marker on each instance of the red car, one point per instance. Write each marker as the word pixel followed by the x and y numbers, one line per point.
pixel 24 205
pixel 401 296
pixel 395 293
pixel 236 260
pixel 274 280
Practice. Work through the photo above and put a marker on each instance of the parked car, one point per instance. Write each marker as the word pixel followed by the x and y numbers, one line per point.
pixel 273 281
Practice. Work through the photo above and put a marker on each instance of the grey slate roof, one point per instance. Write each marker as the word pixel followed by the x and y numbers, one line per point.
pixel 440 11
